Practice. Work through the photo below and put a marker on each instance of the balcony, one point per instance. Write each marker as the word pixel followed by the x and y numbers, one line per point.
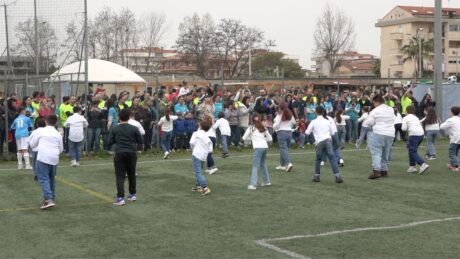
pixel 396 35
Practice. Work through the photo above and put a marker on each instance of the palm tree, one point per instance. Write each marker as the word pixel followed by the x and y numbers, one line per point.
pixel 411 52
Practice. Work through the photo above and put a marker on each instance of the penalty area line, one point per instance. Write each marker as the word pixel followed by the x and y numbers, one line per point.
pixel 266 243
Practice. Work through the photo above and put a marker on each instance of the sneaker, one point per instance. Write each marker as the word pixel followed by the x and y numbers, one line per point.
pixel 357 146
pixel 423 168
pixel 197 189
pixel 432 158
pixel 35 178
pixel 266 184
pixel 315 178
pixel 77 164
pixel 225 155
pixel 73 163
pixel 451 167
pixel 341 162
pixel 47 204
pixel 119 201
pixel 280 167
pixel 322 163
pixel 456 169
pixel 289 167
pixel 338 179
pixel 20 167
pixel 251 187
pixel 28 167
pixel 206 171
pixel 205 191
pixel 412 169
pixel 166 156
pixel 213 170
pixel 132 197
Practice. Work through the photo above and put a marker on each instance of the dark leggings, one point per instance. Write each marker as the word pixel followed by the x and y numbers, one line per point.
pixel 398 128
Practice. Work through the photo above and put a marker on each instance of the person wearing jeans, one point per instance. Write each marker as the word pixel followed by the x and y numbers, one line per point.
pixel 431 124
pixel 167 126
pixel 283 124
pixel 76 124
pixel 201 146
pixel 412 125
pixel 94 139
pixel 381 120
pixel 49 144
pixel 95 126
pixel 452 127
pixel 225 132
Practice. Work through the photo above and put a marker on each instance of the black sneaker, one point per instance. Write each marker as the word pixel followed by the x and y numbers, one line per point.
pixel 225 155
pixel 339 179
pixel 315 179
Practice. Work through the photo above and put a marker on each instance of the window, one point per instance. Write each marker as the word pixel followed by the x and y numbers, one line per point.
pixel 454 27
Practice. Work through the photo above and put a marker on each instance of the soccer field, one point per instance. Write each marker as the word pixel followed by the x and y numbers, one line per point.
pixel 404 215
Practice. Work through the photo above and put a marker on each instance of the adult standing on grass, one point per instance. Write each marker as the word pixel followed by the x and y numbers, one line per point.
pixel 322 129
pixel 49 144
pixel 452 127
pixel 414 128
pixel 381 120
pixel 283 124
pixel 126 138
pixel 259 136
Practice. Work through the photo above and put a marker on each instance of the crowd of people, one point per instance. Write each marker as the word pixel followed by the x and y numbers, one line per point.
pixel 200 119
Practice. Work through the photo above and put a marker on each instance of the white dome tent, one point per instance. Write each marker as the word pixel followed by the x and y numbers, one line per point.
pixel 113 77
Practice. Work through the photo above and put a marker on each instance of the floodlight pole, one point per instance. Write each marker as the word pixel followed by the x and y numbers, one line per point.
pixel 37 51
pixel 10 68
pixel 438 56
pixel 85 44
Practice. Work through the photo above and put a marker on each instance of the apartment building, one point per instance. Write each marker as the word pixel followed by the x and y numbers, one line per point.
pixel 353 65
pixel 404 24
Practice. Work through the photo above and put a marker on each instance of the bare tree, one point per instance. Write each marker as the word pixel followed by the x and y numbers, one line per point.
pixel 334 36
pixel 249 38
pixel 47 42
pixel 104 29
pixel 152 28
pixel 125 29
pixel 196 38
pixel 74 41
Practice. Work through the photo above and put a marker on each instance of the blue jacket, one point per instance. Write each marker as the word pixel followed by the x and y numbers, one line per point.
pixel 180 127
pixel 190 126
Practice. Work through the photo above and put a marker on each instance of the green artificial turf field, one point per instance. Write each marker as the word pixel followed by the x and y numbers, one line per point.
pixel 170 221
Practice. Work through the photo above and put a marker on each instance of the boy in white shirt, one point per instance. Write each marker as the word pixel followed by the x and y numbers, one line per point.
pixel 412 125
pixel 224 127
pixel 49 144
pixel 201 146
pixel 76 124
pixel 452 127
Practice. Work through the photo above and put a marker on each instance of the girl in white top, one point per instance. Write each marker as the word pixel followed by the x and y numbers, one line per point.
pixel 167 126
pixel 283 125
pixel 340 122
pixel 364 130
pixel 76 124
pixel 431 123
pixel 412 125
pixel 323 131
pixel 259 136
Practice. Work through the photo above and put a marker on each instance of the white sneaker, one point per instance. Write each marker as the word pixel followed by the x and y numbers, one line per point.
pixel 412 169
pixel 251 187
pixel 280 167
pixel 213 170
pixel 423 168
pixel 322 163
pixel 166 156
pixel 206 171
pixel 266 184
pixel 20 167
pixel 73 163
pixel 289 167
pixel 28 167
pixel 77 163
pixel 341 162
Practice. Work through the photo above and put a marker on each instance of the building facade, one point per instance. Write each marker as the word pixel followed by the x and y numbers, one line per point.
pixel 404 24
pixel 353 64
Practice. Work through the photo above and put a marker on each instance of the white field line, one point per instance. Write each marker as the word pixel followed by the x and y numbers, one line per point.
pixel 188 159
pixel 266 242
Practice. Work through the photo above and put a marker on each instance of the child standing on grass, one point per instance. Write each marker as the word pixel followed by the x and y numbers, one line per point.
pixel 21 126
pixel 412 125
pixel 201 146
pixel 224 127
pixel 126 138
pixel 49 144
pixel 211 164
pixel 259 137
pixel 323 131
pixel 431 123
pixel 452 128
pixel 301 128
pixel 167 126
pixel 364 130
pixel 76 124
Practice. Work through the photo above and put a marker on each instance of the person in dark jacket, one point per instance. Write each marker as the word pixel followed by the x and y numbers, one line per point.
pixel 181 134
pixel 95 125
pixel 190 127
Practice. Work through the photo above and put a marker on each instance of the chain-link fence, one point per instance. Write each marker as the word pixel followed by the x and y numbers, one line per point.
pixel 43 35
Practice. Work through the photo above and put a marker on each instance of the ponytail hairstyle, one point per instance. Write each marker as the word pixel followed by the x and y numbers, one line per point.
pixel 256 121
pixel 338 115
pixel 286 114
pixel 167 112
pixel 321 111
